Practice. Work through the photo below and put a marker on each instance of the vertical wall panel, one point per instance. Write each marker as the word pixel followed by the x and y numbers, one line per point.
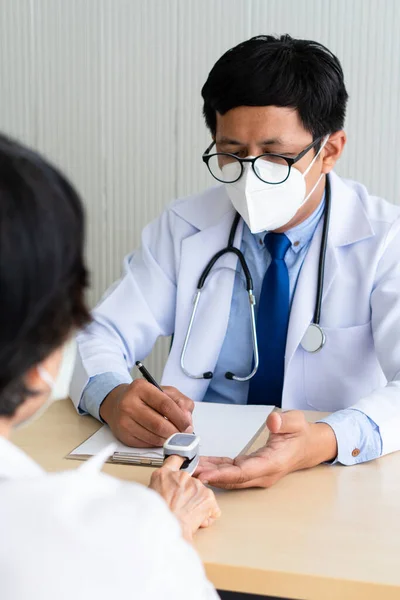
pixel 69 119
pixel 207 28
pixel 110 90
pixel 138 110
pixel 17 69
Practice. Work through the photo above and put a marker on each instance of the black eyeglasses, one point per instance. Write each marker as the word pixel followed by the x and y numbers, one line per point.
pixel 228 168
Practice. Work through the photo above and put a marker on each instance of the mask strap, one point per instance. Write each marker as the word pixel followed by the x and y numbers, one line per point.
pixel 316 156
pixel 312 191
pixel 309 167
pixel 45 376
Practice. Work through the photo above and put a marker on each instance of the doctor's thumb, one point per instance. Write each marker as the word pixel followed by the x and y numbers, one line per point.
pixel 286 422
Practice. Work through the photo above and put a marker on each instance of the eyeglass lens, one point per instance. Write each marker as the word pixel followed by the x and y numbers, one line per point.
pixel 269 168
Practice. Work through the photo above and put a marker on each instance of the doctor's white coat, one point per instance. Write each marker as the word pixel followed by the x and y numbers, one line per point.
pixel 83 535
pixel 359 365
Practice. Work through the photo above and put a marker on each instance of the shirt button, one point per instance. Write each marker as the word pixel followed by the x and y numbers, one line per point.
pixel 261 242
pixel 296 243
pixel 355 452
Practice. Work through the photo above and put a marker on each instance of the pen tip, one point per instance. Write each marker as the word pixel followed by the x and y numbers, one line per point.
pixel 138 363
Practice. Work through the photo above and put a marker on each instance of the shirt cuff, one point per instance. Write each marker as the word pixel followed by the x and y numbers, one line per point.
pixel 358 437
pixel 96 391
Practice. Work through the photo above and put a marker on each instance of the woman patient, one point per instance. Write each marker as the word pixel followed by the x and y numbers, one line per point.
pixel 78 534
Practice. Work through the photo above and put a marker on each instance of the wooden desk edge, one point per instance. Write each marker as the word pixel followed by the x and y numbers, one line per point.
pixel 296 586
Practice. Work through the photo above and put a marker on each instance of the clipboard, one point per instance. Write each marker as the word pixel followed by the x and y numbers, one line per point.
pixel 224 429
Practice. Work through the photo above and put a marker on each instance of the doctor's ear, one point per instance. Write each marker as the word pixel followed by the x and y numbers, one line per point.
pixel 333 150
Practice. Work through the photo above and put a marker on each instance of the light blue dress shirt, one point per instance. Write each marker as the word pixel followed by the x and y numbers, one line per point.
pixel 237 352
pixel 352 428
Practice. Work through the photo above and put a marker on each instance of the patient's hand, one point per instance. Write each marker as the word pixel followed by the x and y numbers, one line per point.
pixel 192 503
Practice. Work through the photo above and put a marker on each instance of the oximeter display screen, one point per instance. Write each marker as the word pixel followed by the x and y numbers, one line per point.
pixel 182 439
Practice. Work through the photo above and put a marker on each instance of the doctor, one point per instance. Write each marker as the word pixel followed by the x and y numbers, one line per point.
pixel 79 534
pixel 318 255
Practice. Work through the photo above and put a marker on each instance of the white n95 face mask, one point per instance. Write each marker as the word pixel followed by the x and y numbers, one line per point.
pixel 60 386
pixel 264 206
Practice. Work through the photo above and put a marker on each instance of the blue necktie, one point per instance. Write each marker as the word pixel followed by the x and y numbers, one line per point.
pixel 272 324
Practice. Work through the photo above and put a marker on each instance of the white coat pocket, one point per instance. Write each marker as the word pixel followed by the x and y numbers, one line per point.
pixel 345 370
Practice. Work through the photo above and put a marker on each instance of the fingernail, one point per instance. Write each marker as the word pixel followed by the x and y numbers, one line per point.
pixel 189 429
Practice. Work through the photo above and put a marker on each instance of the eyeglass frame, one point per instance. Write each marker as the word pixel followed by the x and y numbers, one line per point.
pixel 290 161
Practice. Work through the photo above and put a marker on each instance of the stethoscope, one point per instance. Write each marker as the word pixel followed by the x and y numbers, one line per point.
pixel 314 338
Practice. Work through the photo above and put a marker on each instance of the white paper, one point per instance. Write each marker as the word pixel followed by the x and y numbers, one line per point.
pixel 224 430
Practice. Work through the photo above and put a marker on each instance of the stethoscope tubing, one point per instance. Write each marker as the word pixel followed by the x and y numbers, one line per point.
pixel 322 254
pixel 249 287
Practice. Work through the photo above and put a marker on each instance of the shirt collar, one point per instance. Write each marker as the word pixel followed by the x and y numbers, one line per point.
pixel 300 235
pixel 14 463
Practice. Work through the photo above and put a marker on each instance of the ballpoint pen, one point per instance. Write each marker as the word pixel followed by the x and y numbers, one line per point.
pixel 148 377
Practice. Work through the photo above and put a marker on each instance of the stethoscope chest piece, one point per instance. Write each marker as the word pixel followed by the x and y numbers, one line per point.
pixel 313 339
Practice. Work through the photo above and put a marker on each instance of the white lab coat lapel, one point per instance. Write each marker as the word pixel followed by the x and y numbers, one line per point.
pixel 348 224
pixel 214 307
pixel 303 304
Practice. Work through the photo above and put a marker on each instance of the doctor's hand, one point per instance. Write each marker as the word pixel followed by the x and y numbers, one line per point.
pixel 293 444
pixel 192 503
pixel 140 415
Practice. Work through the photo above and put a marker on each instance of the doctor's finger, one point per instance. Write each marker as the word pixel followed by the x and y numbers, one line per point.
pixel 227 481
pixel 138 436
pixel 208 463
pixel 291 421
pixel 247 470
pixel 260 482
pixel 154 422
pixel 219 474
pixel 181 400
pixel 166 407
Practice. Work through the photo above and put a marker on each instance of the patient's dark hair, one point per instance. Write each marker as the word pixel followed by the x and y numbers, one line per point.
pixel 42 270
pixel 279 71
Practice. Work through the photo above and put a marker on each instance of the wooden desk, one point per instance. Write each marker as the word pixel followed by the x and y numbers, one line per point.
pixel 324 534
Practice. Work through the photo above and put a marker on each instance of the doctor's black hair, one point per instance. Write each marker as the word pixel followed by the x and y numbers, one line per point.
pixel 42 270
pixel 279 71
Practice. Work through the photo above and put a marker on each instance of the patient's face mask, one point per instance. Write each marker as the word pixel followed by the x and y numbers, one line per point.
pixel 59 387
pixel 265 206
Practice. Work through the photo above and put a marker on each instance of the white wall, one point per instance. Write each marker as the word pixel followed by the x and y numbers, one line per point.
pixel 110 90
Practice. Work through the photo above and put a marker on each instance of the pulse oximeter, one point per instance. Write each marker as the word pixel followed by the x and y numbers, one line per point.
pixel 186 445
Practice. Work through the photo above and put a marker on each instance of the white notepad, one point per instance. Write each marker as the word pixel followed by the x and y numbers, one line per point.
pixel 224 430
